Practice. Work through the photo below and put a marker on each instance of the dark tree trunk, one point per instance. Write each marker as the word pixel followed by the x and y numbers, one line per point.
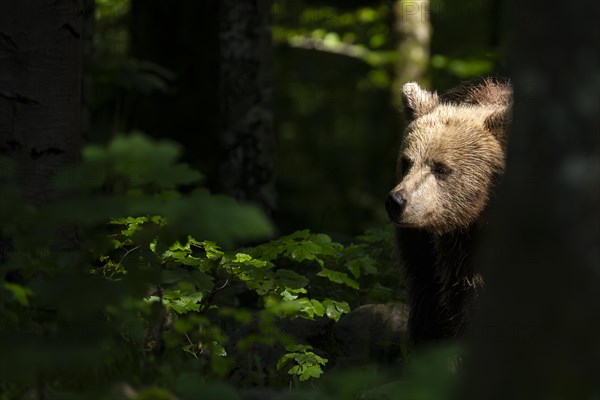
pixel 89 25
pixel 182 36
pixel 538 330
pixel 246 123
pixel 41 50
pixel 220 109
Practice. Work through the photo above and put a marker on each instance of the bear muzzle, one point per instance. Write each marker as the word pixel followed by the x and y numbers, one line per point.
pixel 394 205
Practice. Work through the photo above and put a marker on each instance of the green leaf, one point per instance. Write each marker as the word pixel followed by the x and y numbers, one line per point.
pixel 296 348
pixel 186 303
pixel 202 281
pixel 364 265
pixel 318 307
pixel 269 252
pixel 303 251
pixel 313 371
pixel 320 238
pixel 338 277
pixel 327 247
pixel 290 279
pixel 297 369
pixel 182 254
pixel 241 258
pixel 354 268
pixel 20 293
pixel 355 251
pixel 175 275
pixel 287 295
pixel 306 306
pixel 307 362
pixel 283 360
pixel 262 288
pixel 303 234
pixel 319 360
pixel 335 309
pixel 247 259
pixel 213 252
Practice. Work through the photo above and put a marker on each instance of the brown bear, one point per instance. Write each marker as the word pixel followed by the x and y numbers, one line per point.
pixel 452 155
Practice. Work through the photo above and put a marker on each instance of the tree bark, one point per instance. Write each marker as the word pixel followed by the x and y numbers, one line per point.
pixel 413 27
pixel 89 27
pixel 220 109
pixel 246 122
pixel 41 50
pixel 182 36
pixel 537 333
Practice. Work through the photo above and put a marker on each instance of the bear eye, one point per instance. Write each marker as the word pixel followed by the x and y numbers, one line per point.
pixel 440 170
pixel 405 164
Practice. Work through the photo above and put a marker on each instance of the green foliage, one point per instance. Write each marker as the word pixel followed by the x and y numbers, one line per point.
pixel 307 364
pixel 335 125
pixel 142 162
pixel 140 177
pixel 19 293
pixel 125 276
pixel 110 18
pixel 326 29
pixel 432 374
pixel 464 69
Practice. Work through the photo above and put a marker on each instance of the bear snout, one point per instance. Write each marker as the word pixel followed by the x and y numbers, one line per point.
pixel 394 205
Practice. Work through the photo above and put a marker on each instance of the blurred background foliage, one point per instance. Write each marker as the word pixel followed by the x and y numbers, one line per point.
pixel 335 72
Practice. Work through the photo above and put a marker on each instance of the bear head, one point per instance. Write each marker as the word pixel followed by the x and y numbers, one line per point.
pixel 452 153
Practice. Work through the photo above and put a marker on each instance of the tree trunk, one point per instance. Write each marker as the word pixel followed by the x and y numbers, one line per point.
pixel 412 23
pixel 246 123
pixel 89 27
pixel 41 50
pixel 182 36
pixel 538 330
pixel 220 109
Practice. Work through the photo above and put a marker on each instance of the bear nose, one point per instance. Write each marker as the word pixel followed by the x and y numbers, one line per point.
pixel 394 204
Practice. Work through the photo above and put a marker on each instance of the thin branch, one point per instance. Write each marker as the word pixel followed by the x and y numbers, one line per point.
pixel 127 253
pixel 204 303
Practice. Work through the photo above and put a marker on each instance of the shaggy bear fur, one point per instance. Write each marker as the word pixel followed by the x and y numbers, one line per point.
pixel 453 153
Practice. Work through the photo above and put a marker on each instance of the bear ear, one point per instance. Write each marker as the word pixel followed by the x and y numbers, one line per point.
pixel 417 101
pixel 498 122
